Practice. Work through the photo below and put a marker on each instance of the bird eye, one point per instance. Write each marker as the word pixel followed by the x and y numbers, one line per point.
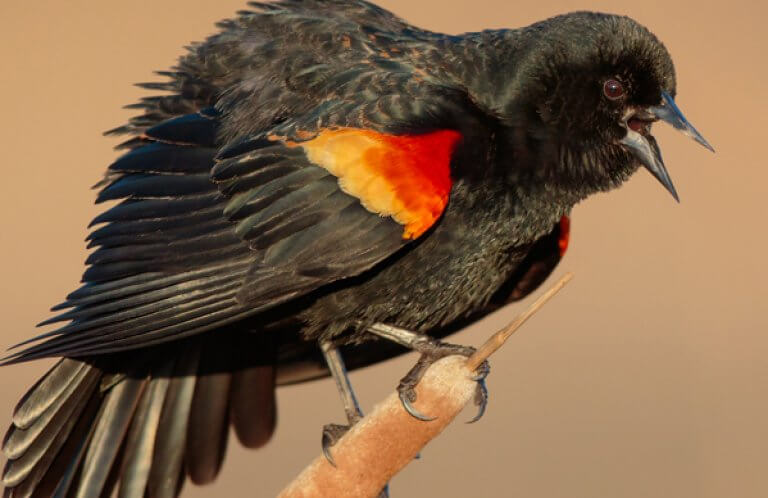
pixel 613 89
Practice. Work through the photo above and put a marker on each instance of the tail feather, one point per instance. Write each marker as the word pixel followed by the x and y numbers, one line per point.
pixel 23 473
pixel 113 421
pixel 60 477
pixel 140 441
pixel 46 391
pixel 207 433
pixel 140 421
pixel 253 389
pixel 167 473
pixel 18 441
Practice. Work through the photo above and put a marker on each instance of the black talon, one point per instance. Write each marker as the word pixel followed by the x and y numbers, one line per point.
pixel 331 434
pixel 481 394
pixel 481 400
pixel 413 412
pixel 327 454
pixel 406 388
pixel 431 350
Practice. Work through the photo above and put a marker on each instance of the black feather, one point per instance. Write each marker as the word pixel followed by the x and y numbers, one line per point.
pixel 163 158
pixel 135 209
pixel 252 397
pixel 166 474
pixel 23 473
pixel 144 282
pixel 195 129
pixel 45 392
pixel 140 443
pixel 146 186
pixel 154 298
pixel 113 421
pixel 59 480
pixel 208 420
pixel 159 229
pixel 19 439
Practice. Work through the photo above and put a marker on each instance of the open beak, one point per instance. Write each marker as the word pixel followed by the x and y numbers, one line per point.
pixel 642 144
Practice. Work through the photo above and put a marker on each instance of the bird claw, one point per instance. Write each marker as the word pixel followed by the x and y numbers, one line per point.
pixel 405 396
pixel 432 351
pixel 481 393
pixel 481 399
pixel 331 435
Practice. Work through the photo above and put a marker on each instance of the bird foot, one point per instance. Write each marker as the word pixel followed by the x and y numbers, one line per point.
pixel 431 351
pixel 331 435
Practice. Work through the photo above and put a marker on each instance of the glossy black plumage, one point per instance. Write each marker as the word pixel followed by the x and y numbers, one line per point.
pixel 140 423
pixel 230 252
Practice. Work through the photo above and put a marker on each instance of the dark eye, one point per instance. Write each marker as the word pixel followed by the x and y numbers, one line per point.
pixel 613 89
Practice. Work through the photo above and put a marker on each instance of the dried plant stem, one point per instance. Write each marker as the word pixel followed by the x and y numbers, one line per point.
pixel 499 338
pixel 388 438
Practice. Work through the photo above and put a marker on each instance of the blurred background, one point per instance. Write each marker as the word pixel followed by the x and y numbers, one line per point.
pixel 646 377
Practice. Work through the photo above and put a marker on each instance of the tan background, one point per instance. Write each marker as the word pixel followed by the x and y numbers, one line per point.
pixel 646 378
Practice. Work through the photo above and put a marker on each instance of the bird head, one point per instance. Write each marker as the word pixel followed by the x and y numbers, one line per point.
pixel 594 85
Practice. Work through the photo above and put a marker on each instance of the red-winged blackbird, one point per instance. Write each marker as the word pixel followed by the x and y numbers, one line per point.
pixel 320 173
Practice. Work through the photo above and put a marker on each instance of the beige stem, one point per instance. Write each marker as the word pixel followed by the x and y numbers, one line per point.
pixel 499 338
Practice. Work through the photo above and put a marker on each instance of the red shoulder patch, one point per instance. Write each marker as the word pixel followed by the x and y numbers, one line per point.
pixel 406 177
pixel 565 235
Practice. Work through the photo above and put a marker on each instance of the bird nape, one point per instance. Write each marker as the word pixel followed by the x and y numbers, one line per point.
pixel 317 177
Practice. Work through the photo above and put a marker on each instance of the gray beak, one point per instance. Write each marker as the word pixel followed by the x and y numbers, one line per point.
pixel 644 146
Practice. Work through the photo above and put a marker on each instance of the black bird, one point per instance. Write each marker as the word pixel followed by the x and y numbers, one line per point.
pixel 317 175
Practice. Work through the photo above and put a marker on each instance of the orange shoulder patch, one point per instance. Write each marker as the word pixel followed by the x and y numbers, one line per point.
pixel 406 177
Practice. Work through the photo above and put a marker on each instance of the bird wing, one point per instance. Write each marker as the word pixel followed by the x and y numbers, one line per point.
pixel 208 235
pixel 294 151
pixel 166 262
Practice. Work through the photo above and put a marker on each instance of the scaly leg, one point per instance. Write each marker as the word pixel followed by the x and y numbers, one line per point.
pixel 333 432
